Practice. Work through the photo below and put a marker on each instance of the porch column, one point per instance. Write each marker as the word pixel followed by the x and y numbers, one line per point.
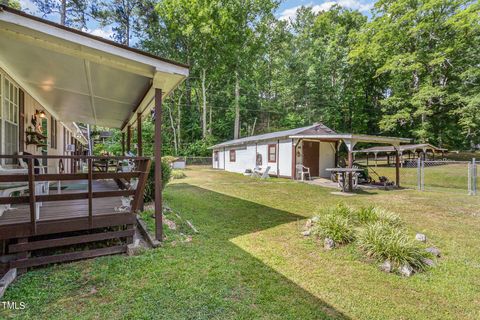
pixel 129 138
pixel 139 135
pixel 375 154
pixel 397 166
pixel 337 149
pixel 158 165
pixel 123 143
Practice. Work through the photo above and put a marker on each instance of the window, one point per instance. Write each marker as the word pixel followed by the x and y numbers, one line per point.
pixel 232 156
pixel 272 153
pixel 53 132
pixel 9 98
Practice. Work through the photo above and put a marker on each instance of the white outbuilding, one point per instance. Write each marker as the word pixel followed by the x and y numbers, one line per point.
pixel 314 147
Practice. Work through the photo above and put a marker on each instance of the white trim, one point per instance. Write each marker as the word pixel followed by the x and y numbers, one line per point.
pixel 356 137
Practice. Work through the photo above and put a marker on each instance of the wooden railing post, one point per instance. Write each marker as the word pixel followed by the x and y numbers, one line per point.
pixel 90 192
pixel 144 168
pixel 31 189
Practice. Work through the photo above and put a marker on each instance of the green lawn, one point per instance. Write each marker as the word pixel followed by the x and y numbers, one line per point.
pixel 249 261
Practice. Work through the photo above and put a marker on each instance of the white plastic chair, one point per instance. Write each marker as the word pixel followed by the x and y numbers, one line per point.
pixel 303 171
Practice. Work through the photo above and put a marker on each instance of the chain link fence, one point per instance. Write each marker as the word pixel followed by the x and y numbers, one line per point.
pixel 198 161
pixel 430 175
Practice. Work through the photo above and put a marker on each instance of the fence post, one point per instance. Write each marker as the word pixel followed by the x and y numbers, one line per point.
pixel 470 179
pixel 474 176
pixel 419 175
pixel 423 174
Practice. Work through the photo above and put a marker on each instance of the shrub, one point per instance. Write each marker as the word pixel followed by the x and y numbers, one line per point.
pixel 178 174
pixel 367 215
pixel 382 241
pixel 169 159
pixel 149 192
pixel 334 226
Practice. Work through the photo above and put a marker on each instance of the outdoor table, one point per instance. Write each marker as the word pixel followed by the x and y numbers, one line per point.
pixel 343 172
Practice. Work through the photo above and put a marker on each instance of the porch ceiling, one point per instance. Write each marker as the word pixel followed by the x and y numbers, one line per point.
pixel 79 77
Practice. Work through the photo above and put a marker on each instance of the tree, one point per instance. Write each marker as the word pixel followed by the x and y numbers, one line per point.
pixel 72 13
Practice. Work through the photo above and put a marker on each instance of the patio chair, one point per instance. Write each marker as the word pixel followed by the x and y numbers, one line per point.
pixel 303 171
pixel 262 175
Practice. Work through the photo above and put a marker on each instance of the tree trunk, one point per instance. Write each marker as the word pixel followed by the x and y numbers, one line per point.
pixel 204 104
pixel 179 122
pixel 175 146
pixel 236 133
pixel 63 13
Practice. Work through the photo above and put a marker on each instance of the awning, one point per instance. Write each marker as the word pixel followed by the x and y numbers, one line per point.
pixel 79 77
pixel 402 148
pixel 355 138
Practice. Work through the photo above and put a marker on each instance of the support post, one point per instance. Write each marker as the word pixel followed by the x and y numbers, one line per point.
pixel 90 192
pixel 139 135
pixel 474 176
pixel 31 190
pixel 129 138
pixel 367 159
pixel 350 145
pixel 123 143
pixel 158 165
pixel 397 168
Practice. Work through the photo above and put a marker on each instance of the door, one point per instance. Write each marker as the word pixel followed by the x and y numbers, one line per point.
pixel 311 156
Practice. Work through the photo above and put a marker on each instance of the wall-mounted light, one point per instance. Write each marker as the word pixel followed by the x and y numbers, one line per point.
pixel 40 113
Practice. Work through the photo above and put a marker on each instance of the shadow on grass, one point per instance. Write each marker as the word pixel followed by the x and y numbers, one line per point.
pixel 220 218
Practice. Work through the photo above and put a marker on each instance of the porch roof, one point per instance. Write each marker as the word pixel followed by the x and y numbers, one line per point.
pixel 79 77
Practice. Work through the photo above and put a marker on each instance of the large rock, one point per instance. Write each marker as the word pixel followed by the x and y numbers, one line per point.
pixel 306 233
pixel 386 266
pixel 434 251
pixel 315 219
pixel 421 237
pixel 428 262
pixel 328 244
pixel 406 270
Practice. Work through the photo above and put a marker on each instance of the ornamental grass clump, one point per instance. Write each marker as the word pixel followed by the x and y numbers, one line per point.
pixel 382 241
pixel 369 215
pixel 335 227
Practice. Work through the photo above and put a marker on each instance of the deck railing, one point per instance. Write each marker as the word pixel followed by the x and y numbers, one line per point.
pixel 89 168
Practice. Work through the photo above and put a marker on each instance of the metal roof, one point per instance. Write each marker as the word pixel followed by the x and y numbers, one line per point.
pixel 404 147
pixel 317 128
pixel 353 137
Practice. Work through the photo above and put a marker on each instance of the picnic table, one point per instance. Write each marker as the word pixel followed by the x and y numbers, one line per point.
pixel 343 172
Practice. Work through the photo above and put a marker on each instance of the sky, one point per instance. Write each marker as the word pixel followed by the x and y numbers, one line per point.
pixel 286 11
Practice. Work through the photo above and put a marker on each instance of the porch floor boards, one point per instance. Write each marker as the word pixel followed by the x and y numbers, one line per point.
pixel 68 209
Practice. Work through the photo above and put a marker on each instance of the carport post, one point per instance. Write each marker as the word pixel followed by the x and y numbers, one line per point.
pixel 397 166
pixel 158 165
pixel 350 145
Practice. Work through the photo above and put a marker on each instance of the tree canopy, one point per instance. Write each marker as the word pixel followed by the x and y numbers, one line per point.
pixel 411 69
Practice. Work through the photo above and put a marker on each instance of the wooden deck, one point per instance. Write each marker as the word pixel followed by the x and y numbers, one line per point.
pixel 67 209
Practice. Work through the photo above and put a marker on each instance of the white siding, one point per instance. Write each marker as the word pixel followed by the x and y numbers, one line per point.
pixel 285 153
pixel 246 158
pixel 327 158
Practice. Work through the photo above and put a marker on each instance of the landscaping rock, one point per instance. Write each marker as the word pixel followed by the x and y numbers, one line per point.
pixel 428 262
pixel 315 219
pixel 406 270
pixel 133 250
pixel 386 267
pixel 434 251
pixel 171 224
pixel 306 233
pixel 421 237
pixel 308 224
pixel 328 244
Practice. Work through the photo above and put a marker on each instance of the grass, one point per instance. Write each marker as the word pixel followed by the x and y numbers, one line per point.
pixel 249 261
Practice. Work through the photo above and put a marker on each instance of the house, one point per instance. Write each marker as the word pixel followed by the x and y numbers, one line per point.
pixel 52 78
pixel 315 147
